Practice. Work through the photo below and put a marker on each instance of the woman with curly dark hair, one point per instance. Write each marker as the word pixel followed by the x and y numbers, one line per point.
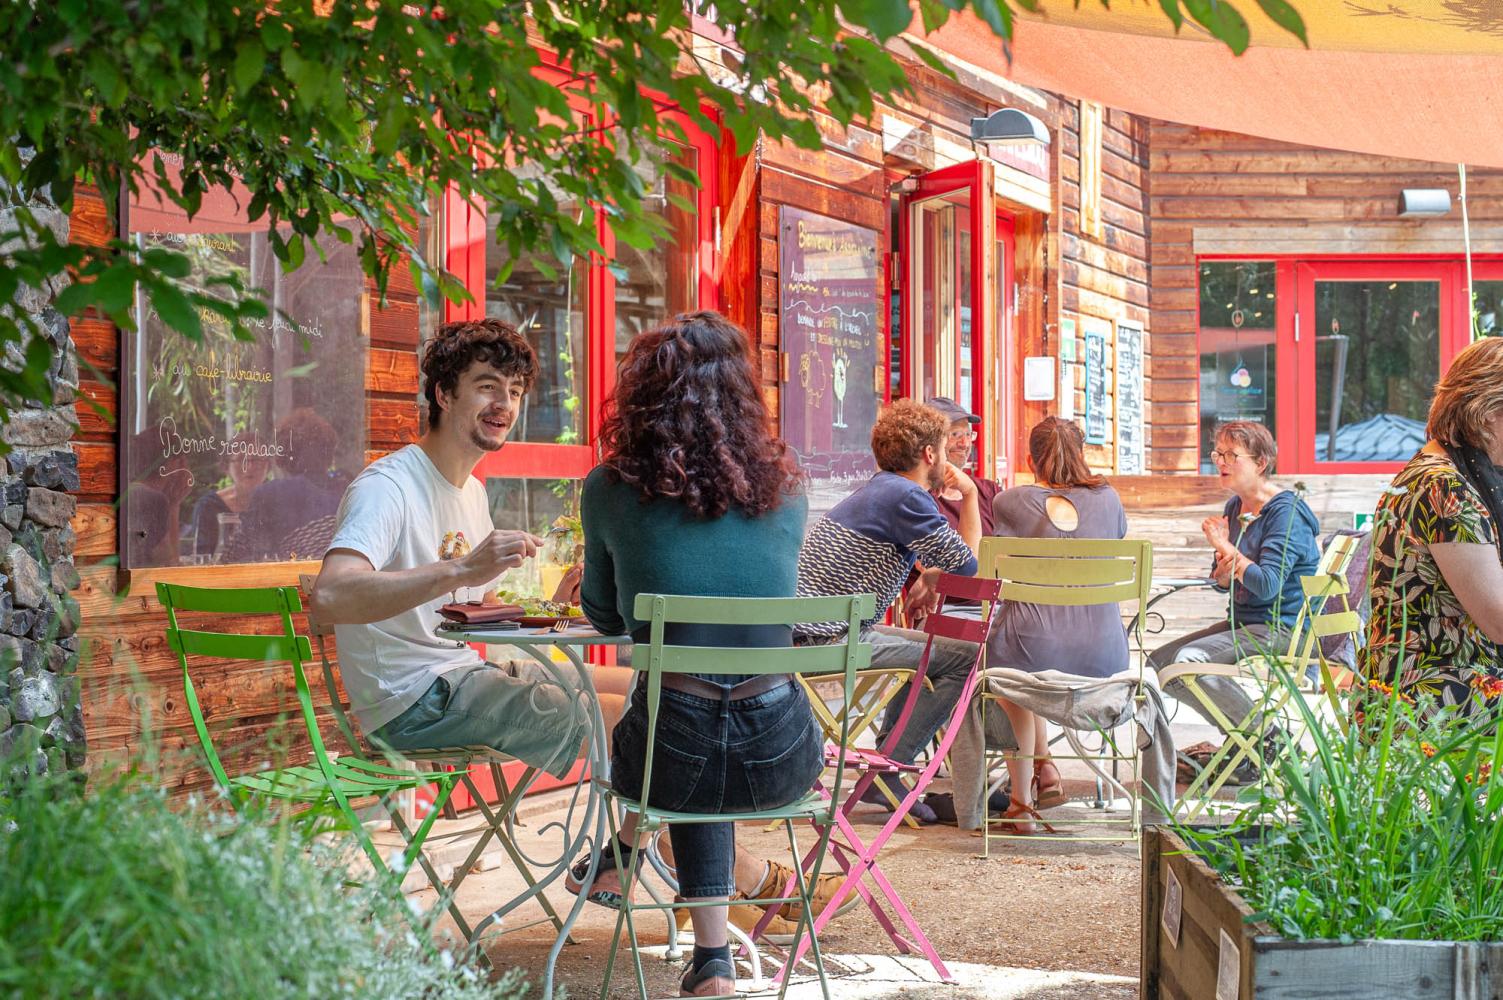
pixel 695 496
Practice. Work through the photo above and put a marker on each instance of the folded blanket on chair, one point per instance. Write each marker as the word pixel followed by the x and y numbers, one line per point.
pixel 1074 703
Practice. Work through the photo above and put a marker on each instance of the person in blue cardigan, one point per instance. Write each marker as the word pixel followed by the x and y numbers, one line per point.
pixel 1265 540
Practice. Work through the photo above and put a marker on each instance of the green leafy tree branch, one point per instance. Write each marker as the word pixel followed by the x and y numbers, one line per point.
pixel 353 116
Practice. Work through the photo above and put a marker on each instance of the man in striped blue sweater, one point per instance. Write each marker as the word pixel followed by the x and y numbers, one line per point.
pixel 872 539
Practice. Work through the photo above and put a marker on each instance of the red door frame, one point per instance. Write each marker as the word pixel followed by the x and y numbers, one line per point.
pixel 975 176
pixel 1294 284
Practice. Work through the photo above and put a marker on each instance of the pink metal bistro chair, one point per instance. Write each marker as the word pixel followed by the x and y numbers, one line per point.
pixel 858 859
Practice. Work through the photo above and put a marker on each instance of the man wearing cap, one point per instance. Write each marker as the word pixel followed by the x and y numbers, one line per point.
pixel 918 593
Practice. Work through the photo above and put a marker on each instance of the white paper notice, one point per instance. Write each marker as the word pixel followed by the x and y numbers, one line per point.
pixel 1038 378
pixel 1174 908
pixel 1228 968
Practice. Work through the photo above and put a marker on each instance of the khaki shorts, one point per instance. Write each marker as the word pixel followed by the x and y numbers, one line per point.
pixel 530 718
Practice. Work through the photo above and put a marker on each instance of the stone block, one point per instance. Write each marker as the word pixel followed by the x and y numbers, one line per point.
pixel 26 584
pixel 35 698
pixel 57 543
pixel 64 576
pixel 10 516
pixel 13 489
pixel 21 621
pixel 69 617
pixel 17 654
pixel 50 507
pixel 59 659
pixel 39 428
pixel 53 470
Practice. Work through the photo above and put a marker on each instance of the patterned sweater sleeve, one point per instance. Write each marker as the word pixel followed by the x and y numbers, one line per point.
pixel 919 526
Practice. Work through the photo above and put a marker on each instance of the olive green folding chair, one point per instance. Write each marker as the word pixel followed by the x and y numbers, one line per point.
pixel 661 658
pixel 1076 572
pixel 326 779
pixel 497 818
pixel 1276 680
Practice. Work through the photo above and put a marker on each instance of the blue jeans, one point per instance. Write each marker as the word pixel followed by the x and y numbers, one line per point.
pixel 717 756
pixel 949 665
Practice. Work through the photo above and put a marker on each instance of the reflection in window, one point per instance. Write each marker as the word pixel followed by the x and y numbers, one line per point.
pixel 1377 358
pixel 1487 308
pixel 535 505
pixel 550 313
pixel 652 285
pixel 1237 347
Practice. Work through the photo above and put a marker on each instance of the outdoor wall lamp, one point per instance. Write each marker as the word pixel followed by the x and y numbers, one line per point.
pixel 1009 127
pixel 1424 203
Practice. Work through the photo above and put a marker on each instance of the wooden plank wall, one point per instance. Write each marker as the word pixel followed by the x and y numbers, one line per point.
pixel 1058 271
pixel 1105 278
pixel 1206 178
pixel 132 687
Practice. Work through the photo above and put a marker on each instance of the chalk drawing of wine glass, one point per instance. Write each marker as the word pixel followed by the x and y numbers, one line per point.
pixel 839 365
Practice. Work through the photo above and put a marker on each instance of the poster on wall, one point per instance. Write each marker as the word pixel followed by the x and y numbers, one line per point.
pixel 827 317
pixel 1096 333
pixel 238 451
pixel 1132 445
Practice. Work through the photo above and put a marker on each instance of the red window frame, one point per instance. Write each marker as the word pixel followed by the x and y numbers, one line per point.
pixel 1294 287
pixel 465 248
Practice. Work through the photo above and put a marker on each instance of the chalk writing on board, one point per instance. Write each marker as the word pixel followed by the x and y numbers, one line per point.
pixel 1095 386
pixel 828 302
pixel 238 451
pixel 1131 443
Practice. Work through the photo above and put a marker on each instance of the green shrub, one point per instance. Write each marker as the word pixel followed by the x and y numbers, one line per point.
pixel 113 893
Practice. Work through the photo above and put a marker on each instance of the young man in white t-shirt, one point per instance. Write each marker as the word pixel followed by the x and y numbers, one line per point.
pixel 398 554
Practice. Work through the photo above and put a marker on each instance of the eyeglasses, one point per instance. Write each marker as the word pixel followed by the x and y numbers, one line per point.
pixel 1228 456
pixel 963 435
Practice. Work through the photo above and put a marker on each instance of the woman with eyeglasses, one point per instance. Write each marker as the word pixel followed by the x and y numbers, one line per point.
pixel 1265 540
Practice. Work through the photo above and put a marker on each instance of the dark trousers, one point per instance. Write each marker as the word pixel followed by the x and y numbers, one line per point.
pixel 720 757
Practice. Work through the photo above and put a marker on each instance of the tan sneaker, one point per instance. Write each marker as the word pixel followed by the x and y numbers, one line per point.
pixel 745 916
pixel 822 892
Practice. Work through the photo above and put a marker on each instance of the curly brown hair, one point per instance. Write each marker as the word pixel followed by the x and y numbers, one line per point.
pixel 686 421
pixel 458 345
pixel 902 432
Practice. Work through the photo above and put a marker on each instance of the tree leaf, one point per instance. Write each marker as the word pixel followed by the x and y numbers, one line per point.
pixel 177 311
pixel 1286 17
pixel 250 64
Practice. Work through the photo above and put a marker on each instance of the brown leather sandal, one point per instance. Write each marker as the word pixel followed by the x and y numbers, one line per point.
pixel 1016 818
pixel 1050 795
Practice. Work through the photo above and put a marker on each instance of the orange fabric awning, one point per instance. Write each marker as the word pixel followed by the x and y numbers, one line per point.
pixel 1418 79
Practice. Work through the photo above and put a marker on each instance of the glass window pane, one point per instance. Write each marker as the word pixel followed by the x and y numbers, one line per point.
pixel 1237 347
pixel 652 285
pixel 1487 308
pixel 536 505
pixel 1377 357
pixel 942 280
pixel 550 313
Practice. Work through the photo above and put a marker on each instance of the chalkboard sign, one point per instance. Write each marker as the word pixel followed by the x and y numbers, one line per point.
pixel 239 451
pixel 1131 443
pixel 1095 385
pixel 830 294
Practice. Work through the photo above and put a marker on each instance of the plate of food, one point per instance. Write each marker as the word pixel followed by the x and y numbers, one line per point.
pixel 538 613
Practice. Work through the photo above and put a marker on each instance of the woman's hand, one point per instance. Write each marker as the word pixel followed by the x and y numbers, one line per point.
pixel 1226 566
pixel 1217 533
pixel 568 585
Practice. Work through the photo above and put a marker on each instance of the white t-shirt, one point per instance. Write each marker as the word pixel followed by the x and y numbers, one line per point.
pixel 397 513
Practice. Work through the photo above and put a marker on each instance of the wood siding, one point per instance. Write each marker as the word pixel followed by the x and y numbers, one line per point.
pixel 1319 202
pixel 132 686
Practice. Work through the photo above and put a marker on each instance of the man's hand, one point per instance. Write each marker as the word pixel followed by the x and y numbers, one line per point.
pixel 957 480
pixel 499 552
pixel 923 598
pixel 568 585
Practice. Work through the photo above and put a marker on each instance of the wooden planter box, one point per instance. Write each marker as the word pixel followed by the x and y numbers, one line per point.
pixel 1218 955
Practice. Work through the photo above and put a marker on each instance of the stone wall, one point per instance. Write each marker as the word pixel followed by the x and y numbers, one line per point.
pixel 41 715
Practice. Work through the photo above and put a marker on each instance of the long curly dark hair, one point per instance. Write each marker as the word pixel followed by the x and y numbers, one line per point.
pixel 687 422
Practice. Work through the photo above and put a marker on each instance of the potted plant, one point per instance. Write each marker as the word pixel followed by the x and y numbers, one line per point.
pixel 1369 865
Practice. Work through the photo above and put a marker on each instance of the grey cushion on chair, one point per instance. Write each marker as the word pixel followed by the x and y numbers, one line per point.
pixel 1342 649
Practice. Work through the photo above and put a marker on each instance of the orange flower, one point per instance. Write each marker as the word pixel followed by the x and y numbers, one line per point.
pixel 1489 687
pixel 1428 749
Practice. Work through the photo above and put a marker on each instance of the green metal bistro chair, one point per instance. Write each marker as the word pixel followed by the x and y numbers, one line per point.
pixel 496 818
pixel 326 778
pixel 845 658
pixel 1078 572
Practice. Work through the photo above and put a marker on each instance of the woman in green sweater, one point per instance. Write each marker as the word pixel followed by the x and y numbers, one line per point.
pixel 695 496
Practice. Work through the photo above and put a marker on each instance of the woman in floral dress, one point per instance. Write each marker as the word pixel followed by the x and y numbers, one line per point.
pixel 1437 569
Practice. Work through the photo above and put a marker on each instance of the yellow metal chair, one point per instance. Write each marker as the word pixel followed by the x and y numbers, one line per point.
pixel 1277 680
pixel 1077 572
